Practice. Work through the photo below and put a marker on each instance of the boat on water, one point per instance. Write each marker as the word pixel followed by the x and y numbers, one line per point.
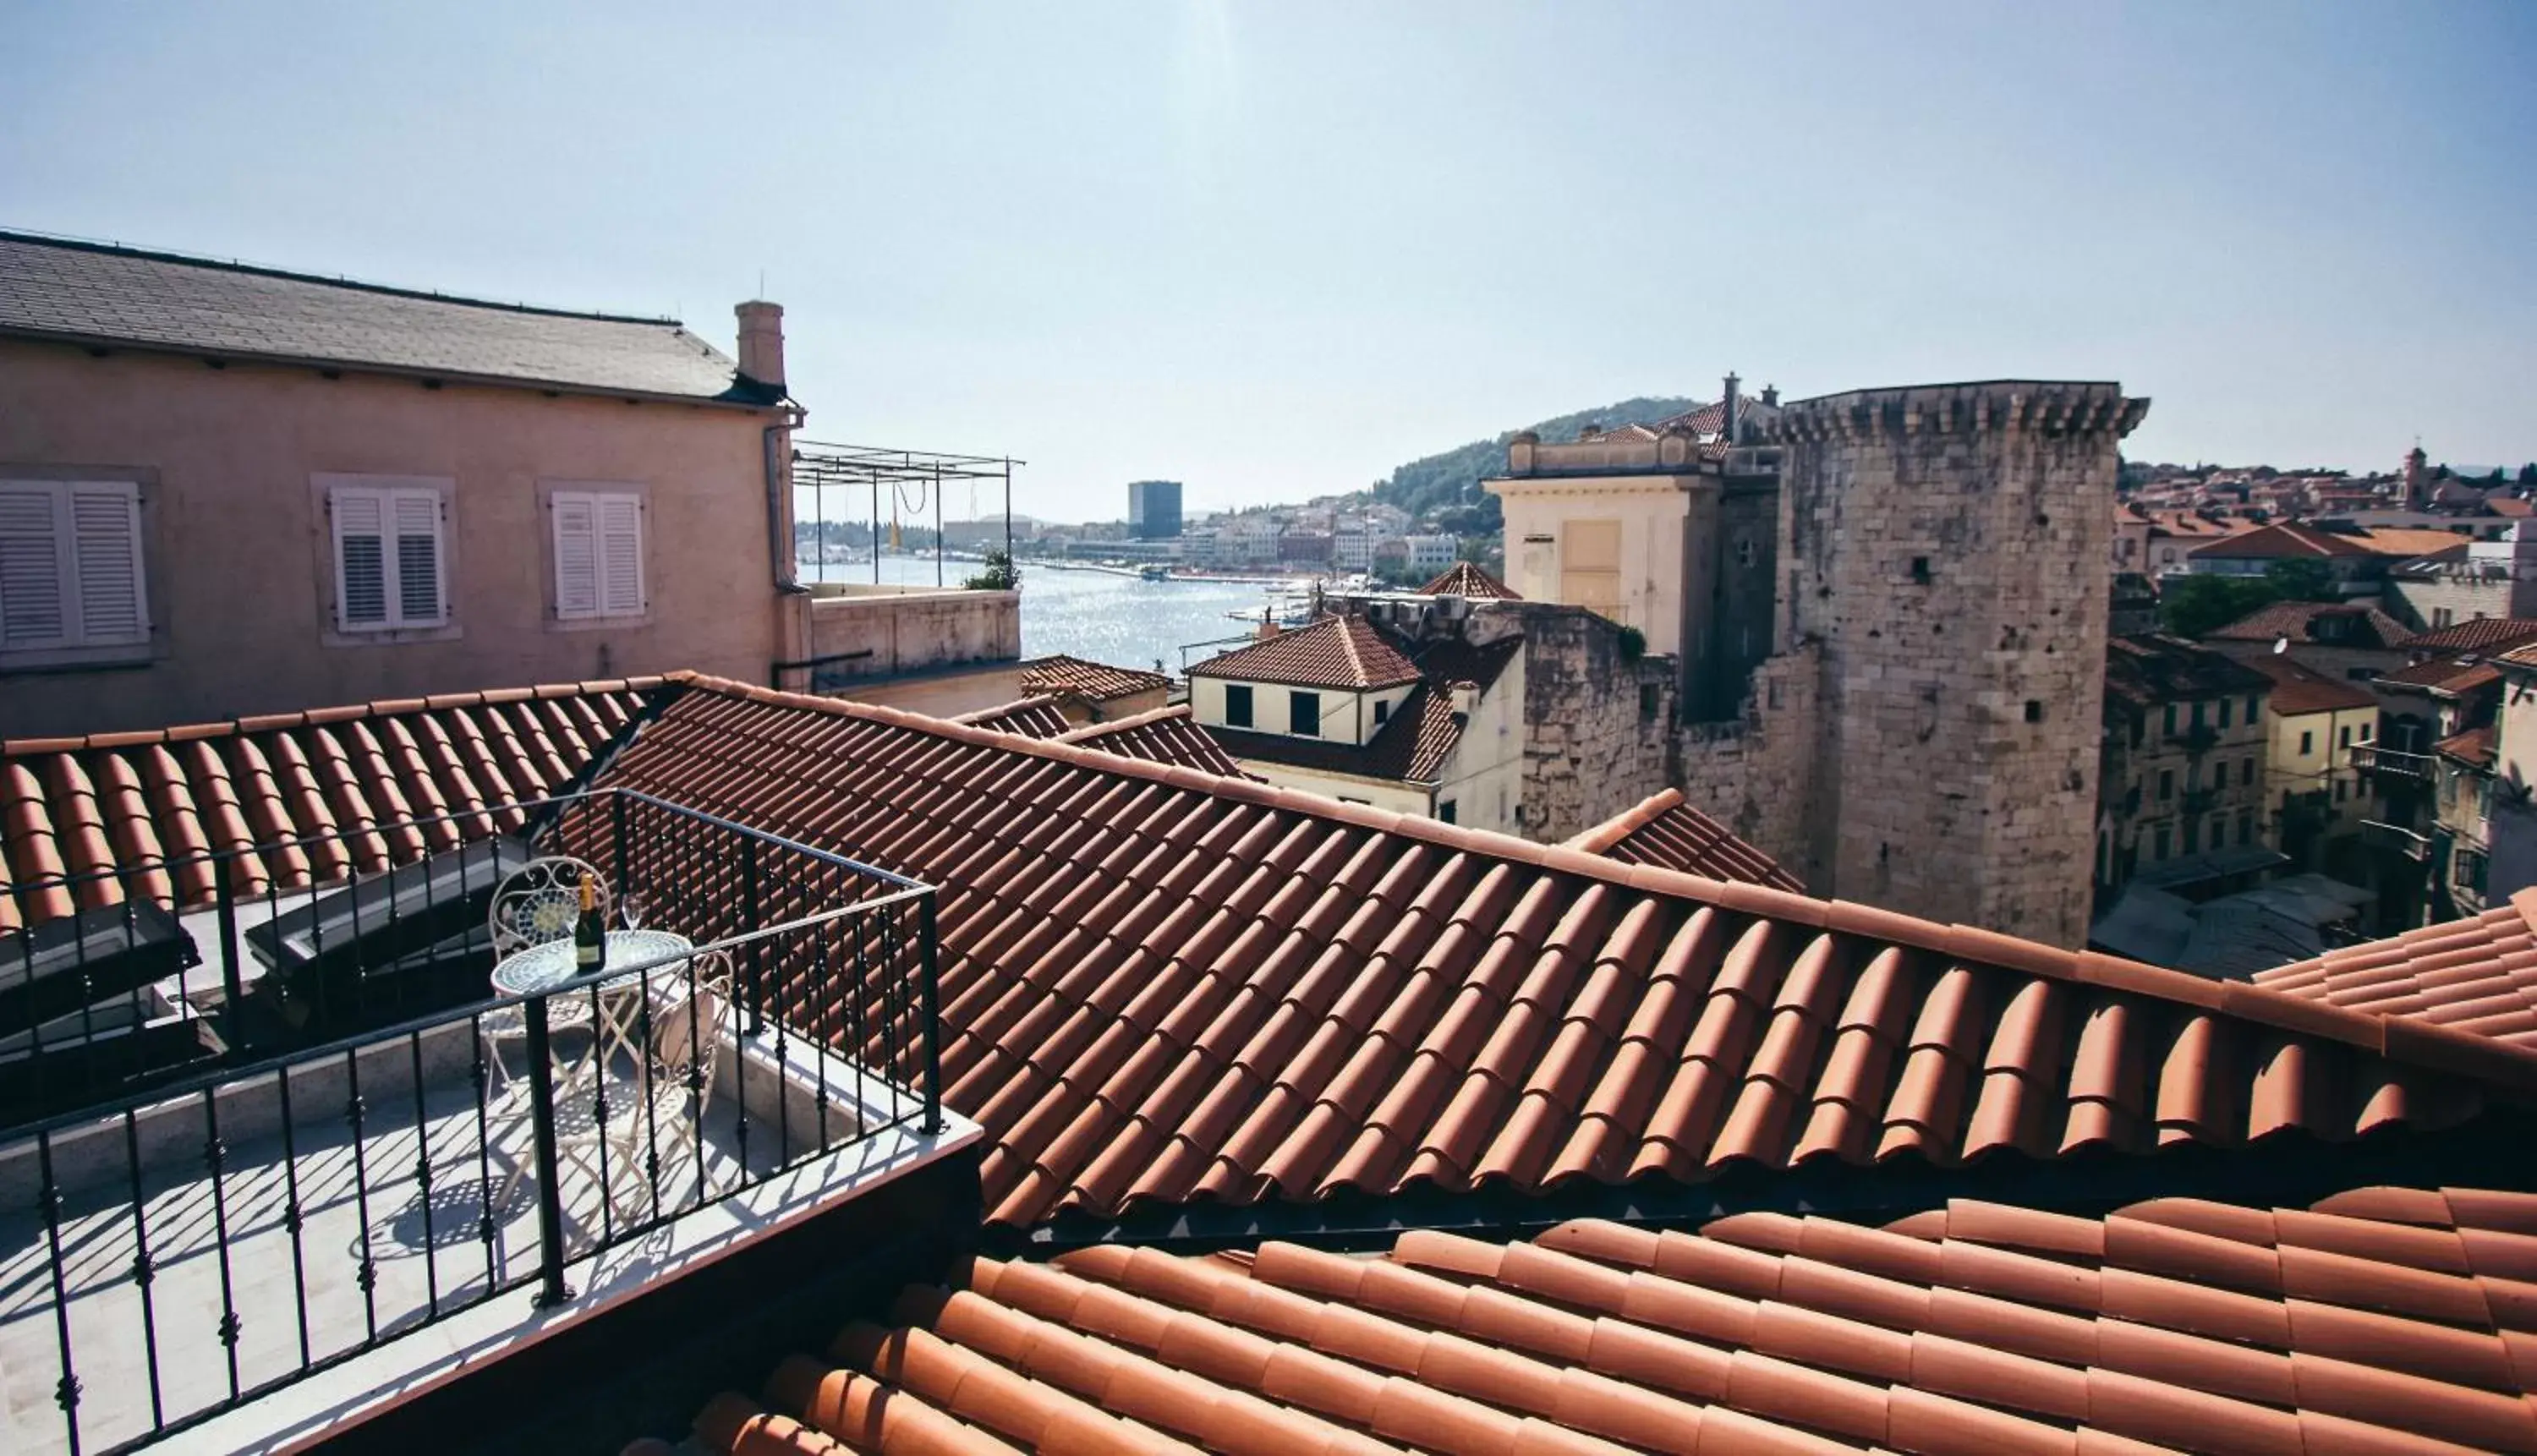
pixel 1154 573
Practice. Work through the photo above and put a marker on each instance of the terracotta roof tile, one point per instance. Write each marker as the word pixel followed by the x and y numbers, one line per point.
pixel 1521 1014
pixel 2458 973
pixel 2287 539
pixel 1042 716
pixel 1964 1330
pixel 2339 624
pixel 1335 652
pixel 1165 735
pixel 2455 677
pixel 130 803
pixel 2299 690
pixel 1462 579
pixel 2480 635
pixel 1668 833
pixel 1098 681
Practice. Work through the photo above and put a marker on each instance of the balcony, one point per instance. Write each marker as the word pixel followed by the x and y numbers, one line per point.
pixel 337 1136
pixel 2371 758
pixel 2395 838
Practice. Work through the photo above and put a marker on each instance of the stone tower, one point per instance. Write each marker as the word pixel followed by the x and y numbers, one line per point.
pixel 1941 563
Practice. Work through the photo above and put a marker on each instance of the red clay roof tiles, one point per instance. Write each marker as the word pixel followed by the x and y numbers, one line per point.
pixel 2477 974
pixel 1666 831
pixel 1165 735
pixel 2366 1324
pixel 1039 717
pixel 2479 635
pixel 1335 652
pixel 131 802
pixel 1159 986
pixel 1098 681
pixel 1462 579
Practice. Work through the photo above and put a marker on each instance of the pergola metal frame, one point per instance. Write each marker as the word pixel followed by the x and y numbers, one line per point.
pixel 820 465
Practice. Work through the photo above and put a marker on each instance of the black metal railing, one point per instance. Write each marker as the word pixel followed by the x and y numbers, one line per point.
pixel 2371 758
pixel 239 1222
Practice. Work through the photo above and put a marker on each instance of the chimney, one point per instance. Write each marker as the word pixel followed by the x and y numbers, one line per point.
pixel 761 343
pixel 1770 395
pixel 1730 409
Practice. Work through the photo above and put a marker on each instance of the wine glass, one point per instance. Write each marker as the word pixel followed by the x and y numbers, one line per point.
pixel 632 909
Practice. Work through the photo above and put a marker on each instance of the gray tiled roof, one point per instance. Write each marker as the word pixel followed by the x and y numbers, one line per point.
pixel 98 295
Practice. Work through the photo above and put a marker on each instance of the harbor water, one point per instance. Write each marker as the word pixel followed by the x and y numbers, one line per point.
pixel 1103 615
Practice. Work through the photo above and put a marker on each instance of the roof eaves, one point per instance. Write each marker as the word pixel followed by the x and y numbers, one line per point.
pixel 744 394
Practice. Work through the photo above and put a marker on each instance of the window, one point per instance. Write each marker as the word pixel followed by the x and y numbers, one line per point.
pixel 1382 711
pixel 1445 810
pixel 2342 789
pixel 2166 787
pixel 2308 742
pixel 1921 570
pixel 1237 705
pixel 2225 705
pixel 387 557
pixel 2246 826
pixel 70 565
pixel 2470 869
pixel 2255 707
pixel 2192 835
pixel 2246 771
pixel 2159 850
pixel 2035 710
pixel 1304 715
pixel 2197 714
pixel 2344 739
pixel 597 554
pixel 2364 732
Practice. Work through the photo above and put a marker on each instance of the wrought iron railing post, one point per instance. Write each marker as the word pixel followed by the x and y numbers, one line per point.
pixel 616 843
pixel 542 1116
pixel 233 989
pixel 755 1021
pixel 925 949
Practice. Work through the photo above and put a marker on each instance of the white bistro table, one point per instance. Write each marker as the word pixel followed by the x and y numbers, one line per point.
pixel 550 964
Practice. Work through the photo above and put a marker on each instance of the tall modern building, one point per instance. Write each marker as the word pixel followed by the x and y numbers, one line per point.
pixel 1154 509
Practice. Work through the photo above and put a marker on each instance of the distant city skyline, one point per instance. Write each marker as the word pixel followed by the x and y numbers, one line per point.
pixel 1274 253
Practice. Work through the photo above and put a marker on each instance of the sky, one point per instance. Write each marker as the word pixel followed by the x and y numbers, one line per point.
pixel 1275 250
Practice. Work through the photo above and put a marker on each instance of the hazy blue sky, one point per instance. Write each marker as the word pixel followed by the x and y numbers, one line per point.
pixel 1276 249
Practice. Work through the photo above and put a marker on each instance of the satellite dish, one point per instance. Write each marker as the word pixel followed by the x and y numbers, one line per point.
pixel 2281 645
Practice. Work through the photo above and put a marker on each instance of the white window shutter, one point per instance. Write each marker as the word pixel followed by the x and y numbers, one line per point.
pixel 360 557
pixel 421 600
pixel 33 605
pixel 576 551
pixel 620 556
pixel 105 546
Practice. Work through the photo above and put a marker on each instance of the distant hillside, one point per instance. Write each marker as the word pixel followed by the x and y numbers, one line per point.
pixel 1449 484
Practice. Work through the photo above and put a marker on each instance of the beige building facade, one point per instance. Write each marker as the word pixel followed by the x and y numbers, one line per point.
pixel 228 491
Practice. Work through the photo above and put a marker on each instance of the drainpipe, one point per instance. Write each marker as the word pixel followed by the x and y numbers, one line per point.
pixel 775 448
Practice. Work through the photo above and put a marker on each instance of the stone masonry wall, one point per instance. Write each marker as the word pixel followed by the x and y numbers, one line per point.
pixel 1945 546
pixel 1592 748
pixel 1755 774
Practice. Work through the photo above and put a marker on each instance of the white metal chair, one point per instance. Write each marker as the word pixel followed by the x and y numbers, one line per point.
pixel 539 902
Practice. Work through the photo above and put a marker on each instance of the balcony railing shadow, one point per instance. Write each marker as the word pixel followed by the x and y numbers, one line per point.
pixel 300 1178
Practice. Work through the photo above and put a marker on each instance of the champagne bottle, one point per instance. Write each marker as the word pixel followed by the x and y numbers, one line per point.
pixel 590 932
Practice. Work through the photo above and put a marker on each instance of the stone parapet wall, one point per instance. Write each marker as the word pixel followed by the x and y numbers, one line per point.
pixel 1756 774
pixel 1592 746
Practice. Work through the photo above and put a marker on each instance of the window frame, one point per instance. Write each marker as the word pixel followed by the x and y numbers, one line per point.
pixel 1303 705
pixel 629 608
pixel 1238 692
pixel 335 630
pixel 78 644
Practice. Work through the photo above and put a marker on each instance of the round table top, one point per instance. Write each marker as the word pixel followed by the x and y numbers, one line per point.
pixel 551 964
